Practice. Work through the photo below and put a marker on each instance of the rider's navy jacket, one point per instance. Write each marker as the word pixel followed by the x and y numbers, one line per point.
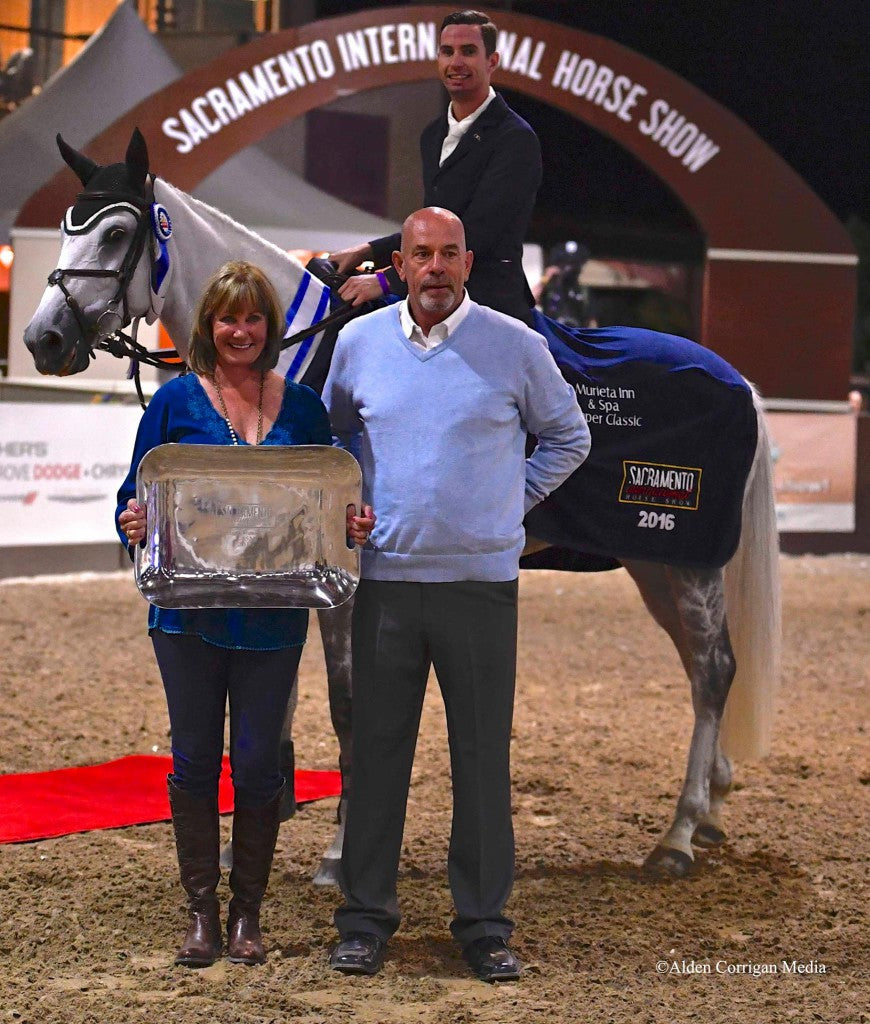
pixel 490 182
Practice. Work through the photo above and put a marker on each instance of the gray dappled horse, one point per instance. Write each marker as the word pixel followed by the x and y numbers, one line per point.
pixel 724 623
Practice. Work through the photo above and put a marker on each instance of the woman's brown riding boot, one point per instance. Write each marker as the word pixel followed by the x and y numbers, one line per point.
pixel 197 840
pixel 255 831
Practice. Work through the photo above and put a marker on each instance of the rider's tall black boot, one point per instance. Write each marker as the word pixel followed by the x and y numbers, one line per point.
pixel 197 841
pixel 255 831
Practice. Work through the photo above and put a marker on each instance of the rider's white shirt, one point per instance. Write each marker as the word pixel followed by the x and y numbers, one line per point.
pixel 456 129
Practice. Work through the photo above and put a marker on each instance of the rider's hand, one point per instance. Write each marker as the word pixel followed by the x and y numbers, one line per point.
pixel 359 527
pixel 347 260
pixel 359 289
pixel 132 522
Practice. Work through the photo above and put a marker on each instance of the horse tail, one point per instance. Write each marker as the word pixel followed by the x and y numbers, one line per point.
pixel 752 604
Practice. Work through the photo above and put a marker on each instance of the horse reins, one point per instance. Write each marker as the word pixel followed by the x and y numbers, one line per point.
pixel 125 346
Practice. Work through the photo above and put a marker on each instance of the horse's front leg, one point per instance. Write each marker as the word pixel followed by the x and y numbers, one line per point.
pixel 287 754
pixel 335 634
pixel 705 649
pixel 288 770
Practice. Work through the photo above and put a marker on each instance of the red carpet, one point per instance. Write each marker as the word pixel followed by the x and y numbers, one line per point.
pixel 129 791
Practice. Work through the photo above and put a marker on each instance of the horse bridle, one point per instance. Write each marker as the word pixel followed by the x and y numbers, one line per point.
pixel 113 340
pixel 116 314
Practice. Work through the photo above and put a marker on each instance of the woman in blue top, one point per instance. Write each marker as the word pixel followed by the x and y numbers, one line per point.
pixel 251 656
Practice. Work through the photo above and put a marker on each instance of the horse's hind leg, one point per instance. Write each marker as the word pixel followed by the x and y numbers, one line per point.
pixel 690 605
pixel 709 831
pixel 335 634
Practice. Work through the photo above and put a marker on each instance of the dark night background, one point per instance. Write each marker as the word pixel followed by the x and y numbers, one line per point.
pixel 796 71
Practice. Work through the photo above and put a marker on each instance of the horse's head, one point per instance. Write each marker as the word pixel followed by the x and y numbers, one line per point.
pixel 101 282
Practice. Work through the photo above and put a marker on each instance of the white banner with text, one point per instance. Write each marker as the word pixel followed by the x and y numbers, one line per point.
pixel 60 468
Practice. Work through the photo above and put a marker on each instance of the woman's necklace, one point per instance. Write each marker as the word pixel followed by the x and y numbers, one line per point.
pixel 233 435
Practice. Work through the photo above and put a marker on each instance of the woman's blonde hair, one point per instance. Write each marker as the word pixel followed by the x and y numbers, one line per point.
pixel 233 286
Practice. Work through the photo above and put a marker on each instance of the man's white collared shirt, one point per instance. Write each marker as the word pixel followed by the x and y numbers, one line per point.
pixel 440 332
pixel 456 129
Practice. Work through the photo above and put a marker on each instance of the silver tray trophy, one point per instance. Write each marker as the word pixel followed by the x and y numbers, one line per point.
pixel 247 527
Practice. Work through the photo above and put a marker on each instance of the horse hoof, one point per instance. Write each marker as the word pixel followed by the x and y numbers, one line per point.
pixel 328 872
pixel 666 862
pixel 708 835
pixel 226 860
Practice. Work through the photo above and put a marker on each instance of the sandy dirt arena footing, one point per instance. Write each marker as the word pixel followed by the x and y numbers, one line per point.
pixel 90 922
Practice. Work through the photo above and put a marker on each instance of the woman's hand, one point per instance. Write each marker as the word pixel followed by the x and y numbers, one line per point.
pixel 359 527
pixel 132 522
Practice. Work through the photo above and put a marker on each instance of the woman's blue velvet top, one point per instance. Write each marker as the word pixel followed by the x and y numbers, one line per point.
pixel 181 412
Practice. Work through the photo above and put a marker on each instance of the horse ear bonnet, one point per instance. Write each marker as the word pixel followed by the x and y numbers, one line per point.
pixel 137 160
pixel 83 166
pixel 124 181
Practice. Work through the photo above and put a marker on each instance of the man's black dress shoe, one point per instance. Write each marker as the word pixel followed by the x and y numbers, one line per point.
pixel 491 959
pixel 358 953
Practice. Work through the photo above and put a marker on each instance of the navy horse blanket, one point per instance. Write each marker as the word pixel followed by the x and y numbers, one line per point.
pixel 674 432
pixel 673 437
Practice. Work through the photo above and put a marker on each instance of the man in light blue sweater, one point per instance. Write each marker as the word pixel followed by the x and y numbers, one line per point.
pixel 439 394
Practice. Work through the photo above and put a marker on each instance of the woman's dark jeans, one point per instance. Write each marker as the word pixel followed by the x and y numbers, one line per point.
pixel 198 677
